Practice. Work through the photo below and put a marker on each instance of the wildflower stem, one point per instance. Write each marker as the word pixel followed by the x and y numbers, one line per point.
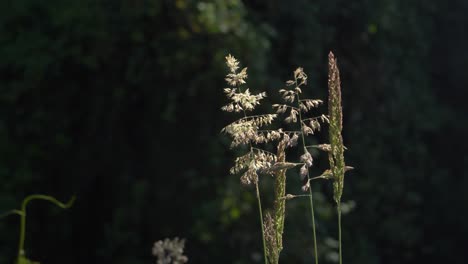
pixel 311 200
pixel 23 215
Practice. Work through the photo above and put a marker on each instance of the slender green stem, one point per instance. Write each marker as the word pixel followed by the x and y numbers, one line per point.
pixel 258 195
pixel 11 212
pixel 261 222
pixel 23 215
pixel 259 200
pixel 339 231
pixel 310 188
pixel 313 225
pixel 22 231
pixel 290 196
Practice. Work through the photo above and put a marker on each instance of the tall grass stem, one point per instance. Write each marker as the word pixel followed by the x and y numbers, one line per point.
pixel 261 222
pixel 339 233
pixel 310 188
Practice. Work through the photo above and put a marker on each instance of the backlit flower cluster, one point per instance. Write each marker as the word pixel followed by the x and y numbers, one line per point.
pixel 169 251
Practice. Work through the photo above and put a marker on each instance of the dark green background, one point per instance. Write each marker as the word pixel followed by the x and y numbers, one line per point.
pixel 118 102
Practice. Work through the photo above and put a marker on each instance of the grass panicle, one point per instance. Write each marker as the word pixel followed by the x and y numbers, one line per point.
pixel 249 131
pixel 296 109
pixel 336 152
pixel 335 155
pixel 245 131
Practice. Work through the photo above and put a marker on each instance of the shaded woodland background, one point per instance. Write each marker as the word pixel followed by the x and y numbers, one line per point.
pixel 119 103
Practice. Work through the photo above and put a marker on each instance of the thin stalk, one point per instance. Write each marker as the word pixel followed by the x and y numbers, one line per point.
pixel 22 231
pixel 311 200
pixel 23 215
pixel 261 222
pixel 258 199
pixel 11 212
pixel 313 224
pixel 339 231
pixel 290 196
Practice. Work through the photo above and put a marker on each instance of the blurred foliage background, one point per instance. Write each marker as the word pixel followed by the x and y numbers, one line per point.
pixel 118 102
